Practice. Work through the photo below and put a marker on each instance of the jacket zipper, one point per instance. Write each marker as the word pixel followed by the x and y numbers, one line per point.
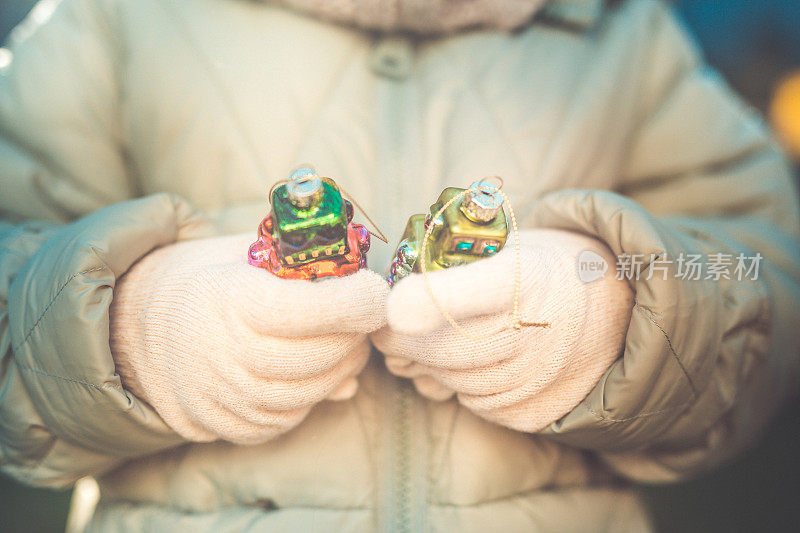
pixel 402 466
pixel 404 485
pixel 402 504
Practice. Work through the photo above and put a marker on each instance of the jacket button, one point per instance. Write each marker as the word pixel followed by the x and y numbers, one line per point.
pixel 393 58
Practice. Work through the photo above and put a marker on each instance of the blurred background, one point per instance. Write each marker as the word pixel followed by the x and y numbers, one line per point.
pixel 755 44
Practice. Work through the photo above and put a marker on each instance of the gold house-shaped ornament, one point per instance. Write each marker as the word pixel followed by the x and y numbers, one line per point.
pixel 471 227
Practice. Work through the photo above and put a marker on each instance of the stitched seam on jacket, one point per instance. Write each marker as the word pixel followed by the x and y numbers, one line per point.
pixel 15 349
pixel 644 115
pixel 73 380
pixel 205 64
pixel 640 415
pixel 228 100
pixel 243 507
pixel 741 157
pixel 355 404
pixel 520 494
pixel 448 450
pixel 648 313
pixel 499 126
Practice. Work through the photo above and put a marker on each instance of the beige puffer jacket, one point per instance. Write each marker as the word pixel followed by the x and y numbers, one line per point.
pixel 109 103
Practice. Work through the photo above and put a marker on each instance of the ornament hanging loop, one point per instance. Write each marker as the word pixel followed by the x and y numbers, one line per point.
pixel 516 323
pixel 311 171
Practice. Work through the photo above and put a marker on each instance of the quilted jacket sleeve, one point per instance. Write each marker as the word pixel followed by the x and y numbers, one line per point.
pixel 63 412
pixel 706 361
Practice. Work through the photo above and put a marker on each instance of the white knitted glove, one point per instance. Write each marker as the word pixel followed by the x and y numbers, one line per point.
pixel 225 350
pixel 527 378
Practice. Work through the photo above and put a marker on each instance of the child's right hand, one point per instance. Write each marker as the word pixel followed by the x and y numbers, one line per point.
pixel 224 350
pixel 526 378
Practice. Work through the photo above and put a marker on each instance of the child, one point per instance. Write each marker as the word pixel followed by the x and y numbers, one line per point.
pixel 137 142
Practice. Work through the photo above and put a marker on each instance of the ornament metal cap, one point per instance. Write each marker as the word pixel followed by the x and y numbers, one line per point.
pixel 304 188
pixel 482 204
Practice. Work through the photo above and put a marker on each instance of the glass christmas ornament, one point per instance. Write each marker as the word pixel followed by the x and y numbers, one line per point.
pixel 472 227
pixel 309 232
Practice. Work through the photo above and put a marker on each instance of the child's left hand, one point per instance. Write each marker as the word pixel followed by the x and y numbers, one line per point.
pixel 522 378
